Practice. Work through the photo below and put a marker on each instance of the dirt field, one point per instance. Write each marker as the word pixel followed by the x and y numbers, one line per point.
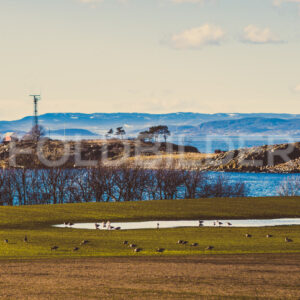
pixel 195 277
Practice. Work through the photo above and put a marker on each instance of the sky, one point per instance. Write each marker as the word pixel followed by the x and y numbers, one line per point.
pixel 154 56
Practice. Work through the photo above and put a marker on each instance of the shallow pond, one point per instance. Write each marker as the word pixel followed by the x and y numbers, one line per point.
pixel 187 223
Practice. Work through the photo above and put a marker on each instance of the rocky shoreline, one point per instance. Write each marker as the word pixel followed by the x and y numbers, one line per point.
pixel 28 154
pixel 281 158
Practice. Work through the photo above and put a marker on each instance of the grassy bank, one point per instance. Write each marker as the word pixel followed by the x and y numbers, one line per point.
pixel 36 221
pixel 230 208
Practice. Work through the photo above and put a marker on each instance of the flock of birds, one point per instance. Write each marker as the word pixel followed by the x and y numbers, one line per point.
pixel 84 242
pixel 107 225
pixel 137 249
pixel 25 240
pixel 215 223
pixel 182 242
pixel 160 250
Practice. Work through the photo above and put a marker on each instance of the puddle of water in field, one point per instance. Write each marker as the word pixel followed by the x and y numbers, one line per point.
pixel 185 223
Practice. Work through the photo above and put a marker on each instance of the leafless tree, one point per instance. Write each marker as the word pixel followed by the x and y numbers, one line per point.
pixel 79 188
pixel 22 185
pixel 101 183
pixel 55 183
pixel 289 187
pixel 222 187
pixel 194 181
pixel 7 187
pixel 118 183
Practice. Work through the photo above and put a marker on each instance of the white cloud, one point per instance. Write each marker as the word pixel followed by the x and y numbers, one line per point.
pixel 297 88
pixel 90 1
pixel 279 2
pixel 94 2
pixel 256 35
pixel 187 1
pixel 292 2
pixel 197 37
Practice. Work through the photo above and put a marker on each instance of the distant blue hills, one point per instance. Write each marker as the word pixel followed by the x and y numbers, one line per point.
pixel 193 124
pixel 252 126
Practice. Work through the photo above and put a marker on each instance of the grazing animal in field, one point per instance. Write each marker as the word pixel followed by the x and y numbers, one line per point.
pixel 6 241
pixel 25 239
pixel 137 250
pixel 125 243
pixel 288 240
pixel 160 250
pixel 54 248
pixel 84 242
pixel 75 249
pixel 132 246
pixel 268 235
pixel 194 244
pixel 247 235
pixel 209 248
pixel 180 242
pixel 185 242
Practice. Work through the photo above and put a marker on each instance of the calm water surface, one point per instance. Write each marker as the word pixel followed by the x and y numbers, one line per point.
pixel 186 223
pixel 258 184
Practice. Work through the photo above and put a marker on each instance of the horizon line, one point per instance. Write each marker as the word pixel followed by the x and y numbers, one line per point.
pixel 146 113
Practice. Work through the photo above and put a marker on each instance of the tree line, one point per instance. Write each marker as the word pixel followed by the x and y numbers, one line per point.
pixel 110 183
pixel 150 135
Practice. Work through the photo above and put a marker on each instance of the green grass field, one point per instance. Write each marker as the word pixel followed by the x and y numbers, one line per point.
pixel 36 221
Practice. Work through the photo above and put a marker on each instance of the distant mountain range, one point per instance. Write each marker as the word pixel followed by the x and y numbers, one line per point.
pixel 246 126
pixel 192 124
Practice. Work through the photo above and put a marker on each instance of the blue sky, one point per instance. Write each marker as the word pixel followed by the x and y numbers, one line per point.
pixel 150 56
